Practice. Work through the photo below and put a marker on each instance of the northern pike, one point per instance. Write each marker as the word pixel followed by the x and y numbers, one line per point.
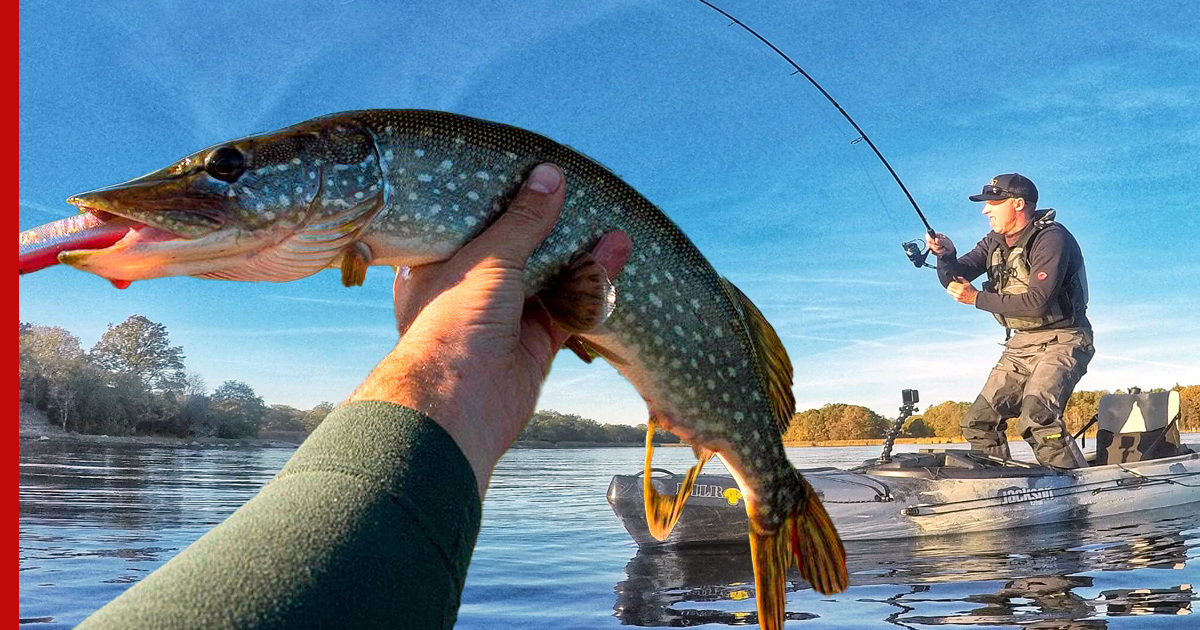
pixel 410 187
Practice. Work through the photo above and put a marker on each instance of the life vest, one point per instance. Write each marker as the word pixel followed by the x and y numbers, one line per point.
pixel 1008 274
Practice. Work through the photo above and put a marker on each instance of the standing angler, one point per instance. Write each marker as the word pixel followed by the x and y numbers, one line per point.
pixel 1037 290
pixel 407 188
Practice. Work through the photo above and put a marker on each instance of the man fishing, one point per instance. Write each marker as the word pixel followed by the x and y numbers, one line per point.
pixel 1037 290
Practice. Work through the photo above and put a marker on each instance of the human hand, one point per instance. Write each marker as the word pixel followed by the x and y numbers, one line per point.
pixel 473 351
pixel 939 245
pixel 961 290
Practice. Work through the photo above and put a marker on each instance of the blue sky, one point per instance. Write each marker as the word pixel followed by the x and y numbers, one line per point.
pixel 1097 106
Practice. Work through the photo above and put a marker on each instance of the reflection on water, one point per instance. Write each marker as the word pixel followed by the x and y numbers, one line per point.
pixel 96 518
pixel 1032 578
pixel 551 554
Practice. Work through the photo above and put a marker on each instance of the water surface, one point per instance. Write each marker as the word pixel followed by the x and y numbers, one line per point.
pixel 96 518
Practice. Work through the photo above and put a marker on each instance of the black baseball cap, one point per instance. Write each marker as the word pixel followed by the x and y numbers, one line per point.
pixel 1009 186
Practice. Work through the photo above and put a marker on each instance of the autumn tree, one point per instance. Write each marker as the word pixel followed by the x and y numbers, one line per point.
pixel 237 409
pixel 282 418
pixel 1189 407
pixel 140 347
pixel 946 418
pixel 49 360
pixel 316 416
pixel 916 428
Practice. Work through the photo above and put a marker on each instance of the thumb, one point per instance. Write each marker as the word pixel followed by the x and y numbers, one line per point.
pixel 525 223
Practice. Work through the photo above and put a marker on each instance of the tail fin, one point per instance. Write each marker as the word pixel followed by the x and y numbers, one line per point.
pixel 818 549
pixel 807 535
pixel 663 510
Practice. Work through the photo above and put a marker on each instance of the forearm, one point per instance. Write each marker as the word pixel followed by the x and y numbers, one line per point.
pixel 370 524
pixel 969 267
pixel 1029 304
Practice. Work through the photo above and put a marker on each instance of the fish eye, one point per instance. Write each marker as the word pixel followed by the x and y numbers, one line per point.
pixel 225 164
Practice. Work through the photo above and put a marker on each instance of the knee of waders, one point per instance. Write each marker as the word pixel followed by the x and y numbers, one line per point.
pixel 1037 414
pixel 981 413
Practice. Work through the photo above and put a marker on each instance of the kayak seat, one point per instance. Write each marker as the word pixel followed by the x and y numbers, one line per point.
pixel 1137 427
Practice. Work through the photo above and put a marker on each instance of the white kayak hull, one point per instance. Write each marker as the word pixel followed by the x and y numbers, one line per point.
pixel 927 494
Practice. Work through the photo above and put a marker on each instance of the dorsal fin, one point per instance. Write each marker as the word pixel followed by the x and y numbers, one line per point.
pixel 773 363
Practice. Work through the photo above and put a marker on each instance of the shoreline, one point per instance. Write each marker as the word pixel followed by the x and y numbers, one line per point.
pixel 35 427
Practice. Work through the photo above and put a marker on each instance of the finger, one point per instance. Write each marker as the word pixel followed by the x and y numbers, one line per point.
pixel 525 223
pixel 612 251
pixel 412 290
pixel 539 334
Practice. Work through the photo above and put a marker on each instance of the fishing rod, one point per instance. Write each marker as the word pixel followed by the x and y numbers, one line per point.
pixel 912 248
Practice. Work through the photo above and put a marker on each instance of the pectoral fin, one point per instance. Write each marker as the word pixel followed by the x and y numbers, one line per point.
pixel 582 297
pixel 581 349
pixel 356 258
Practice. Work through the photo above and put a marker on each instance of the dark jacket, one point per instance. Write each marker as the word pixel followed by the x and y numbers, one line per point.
pixel 1055 295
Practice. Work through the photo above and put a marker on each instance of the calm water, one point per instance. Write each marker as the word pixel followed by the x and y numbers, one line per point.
pixel 95 519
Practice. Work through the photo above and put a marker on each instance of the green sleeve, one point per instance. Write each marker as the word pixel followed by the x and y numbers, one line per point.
pixel 370 524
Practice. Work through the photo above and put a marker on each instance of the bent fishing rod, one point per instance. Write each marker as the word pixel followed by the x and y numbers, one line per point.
pixel 912 248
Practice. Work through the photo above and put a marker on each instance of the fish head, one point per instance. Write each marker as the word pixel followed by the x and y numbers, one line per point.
pixel 235 209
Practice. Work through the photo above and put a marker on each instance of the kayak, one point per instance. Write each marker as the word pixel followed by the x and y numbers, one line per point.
pixel 927 493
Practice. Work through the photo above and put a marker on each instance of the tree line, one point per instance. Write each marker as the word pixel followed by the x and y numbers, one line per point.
pixel 853 422
pixel 134 382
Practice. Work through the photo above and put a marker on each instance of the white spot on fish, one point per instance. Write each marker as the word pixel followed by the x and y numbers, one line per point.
pixel 451 186
pixel 296 161
pixel 473 196
pixel 446 164
pixel 412 196
pixel 424 178
pixel 283 200
pixel 483 175
pixel 655 300
pixel 419 152
pixel 358 195
pixel 434 209
pixel 470 221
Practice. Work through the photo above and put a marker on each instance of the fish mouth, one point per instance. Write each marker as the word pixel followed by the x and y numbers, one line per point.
pixel 125 246
pixel 189 218
pixel 135 233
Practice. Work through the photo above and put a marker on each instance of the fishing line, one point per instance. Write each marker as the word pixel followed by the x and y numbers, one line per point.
pixel 911 248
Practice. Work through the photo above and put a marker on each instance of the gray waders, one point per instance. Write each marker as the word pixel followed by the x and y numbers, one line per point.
pixel 1033 381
